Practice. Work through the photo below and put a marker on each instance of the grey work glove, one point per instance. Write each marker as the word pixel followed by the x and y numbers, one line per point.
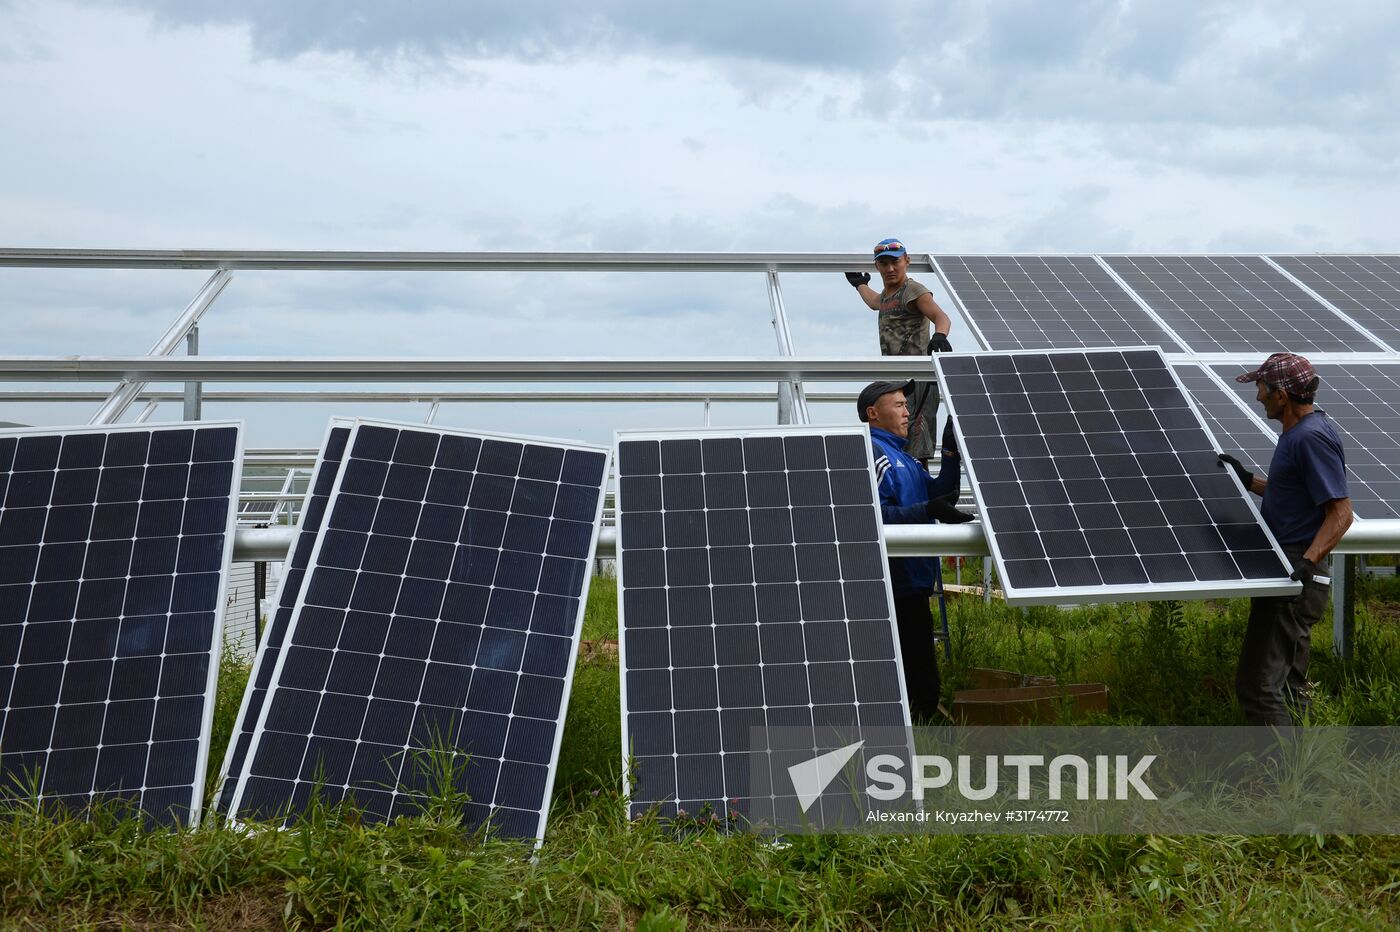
pixel 939 343
pixel 1246 477
pixel 858 278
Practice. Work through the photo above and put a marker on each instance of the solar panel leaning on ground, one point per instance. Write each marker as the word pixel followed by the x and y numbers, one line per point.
pixel 1363 402
pixel 318 492
pixel 1231 304
pixel 754 593
pixel 114 551
pixel 1048 302
pixel 1365 288
pixel 1237 431
pixel 441 608
pixel 1096 480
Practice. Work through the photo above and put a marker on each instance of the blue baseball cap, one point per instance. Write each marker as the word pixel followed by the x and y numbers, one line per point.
pixel 889 247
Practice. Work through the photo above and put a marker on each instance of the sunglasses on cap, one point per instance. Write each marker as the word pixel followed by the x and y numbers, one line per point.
pixel 889 247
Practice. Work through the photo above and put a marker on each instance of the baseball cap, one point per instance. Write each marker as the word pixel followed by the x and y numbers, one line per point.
pixel 1288 371
pixel 877 390
pixel 892 248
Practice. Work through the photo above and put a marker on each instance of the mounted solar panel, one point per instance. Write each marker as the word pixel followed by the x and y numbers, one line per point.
pixel 1365 288
pixel 1363 402
pixel 754 594
pixel 441 609
pixel 1236 430
pixel 1048 302
pixel 1097 481
pixel 318 492
pixel 114 551
pixel 1231 304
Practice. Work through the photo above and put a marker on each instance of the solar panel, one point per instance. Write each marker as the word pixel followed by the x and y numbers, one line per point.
pixel 114 551
pixel 318 492
pixel 441 607
pixel 1049 302
pixel 1096 480
pixel 1363 402
pixel 1365 288
pixel 1230 304
pixel 754 595
pixel 1236 430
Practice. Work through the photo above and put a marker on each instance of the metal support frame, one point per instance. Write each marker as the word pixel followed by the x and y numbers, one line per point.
pixel 792 400
pixel 193 390
pixel 131 386
pixel 1343 605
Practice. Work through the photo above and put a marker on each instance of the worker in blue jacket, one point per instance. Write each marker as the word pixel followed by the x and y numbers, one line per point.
pixel 909 495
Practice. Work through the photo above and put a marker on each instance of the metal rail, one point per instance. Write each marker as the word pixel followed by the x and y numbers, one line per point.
pixel 408 369
pixel 304 260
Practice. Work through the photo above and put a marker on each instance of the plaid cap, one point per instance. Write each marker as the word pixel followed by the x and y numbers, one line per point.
pixel 877 390
pixel 1288 371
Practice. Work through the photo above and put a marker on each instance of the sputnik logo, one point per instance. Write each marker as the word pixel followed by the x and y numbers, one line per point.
pixel 811 778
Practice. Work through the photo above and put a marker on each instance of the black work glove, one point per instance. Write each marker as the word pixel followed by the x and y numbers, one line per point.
pixel 939 510
pixel 858 278
pixel 1304 570
pixel 950 439
pixel 1246 477
pixel 939 343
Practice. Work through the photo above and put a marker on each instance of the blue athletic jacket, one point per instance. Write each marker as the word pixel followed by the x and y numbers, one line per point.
pixel 905 489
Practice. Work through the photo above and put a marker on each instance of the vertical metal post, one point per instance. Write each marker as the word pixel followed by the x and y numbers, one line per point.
pixel 792 399
pixel 707 412
pixel 433 411
pixel 194 391
pixel 1343 604
pixel 987 580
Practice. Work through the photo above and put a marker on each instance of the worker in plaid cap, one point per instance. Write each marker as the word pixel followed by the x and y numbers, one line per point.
pixel 1308 509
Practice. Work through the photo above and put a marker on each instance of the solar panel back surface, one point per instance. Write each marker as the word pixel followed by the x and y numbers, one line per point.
pixel 754 594
pixel 1097 480
pixel 441 608
pixel 1228 304
pixel 114 552
pixel 1049 302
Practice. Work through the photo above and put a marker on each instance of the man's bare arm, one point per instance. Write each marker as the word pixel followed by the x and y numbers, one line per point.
pixel 936 315
pixel 1337 517
pixel 870 296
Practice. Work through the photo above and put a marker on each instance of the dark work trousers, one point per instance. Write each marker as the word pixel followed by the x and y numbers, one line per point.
pixel 914 619
pixel 1273 670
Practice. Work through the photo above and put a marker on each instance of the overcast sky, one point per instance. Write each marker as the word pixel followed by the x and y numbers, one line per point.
pixel 782 126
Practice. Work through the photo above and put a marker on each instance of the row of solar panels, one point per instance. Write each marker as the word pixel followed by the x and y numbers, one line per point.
pixel 1194 304
pixel 434 594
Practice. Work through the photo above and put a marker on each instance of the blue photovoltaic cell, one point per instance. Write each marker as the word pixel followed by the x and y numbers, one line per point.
pixel 114 546
pixel 755 594
pixel 1096 480
pixel 1363 402
pixel 1049 302
pixel 1365 288
pixel 440 608
pixel 317 494
pixel 1231 304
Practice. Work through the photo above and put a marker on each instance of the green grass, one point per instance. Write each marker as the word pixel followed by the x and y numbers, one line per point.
pixel 595 870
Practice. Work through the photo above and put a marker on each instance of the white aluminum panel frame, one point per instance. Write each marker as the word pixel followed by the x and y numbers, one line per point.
pixel 782 430
pixel 1147 591
pixel 236 802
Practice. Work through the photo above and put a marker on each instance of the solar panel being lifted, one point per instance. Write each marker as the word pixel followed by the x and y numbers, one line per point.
pixel 114 552
pixel 1231 304
pixel 1363 402
pixel 318 492
pixel 441 608
pixel 1049 302
pixel 1097 481
pixel 1365 288
pixel 754 595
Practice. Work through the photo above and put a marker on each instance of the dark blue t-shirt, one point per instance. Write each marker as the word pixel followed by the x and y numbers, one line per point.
pixel 1308 469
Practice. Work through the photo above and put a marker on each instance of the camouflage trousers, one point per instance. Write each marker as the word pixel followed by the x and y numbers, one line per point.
pixel 923 421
